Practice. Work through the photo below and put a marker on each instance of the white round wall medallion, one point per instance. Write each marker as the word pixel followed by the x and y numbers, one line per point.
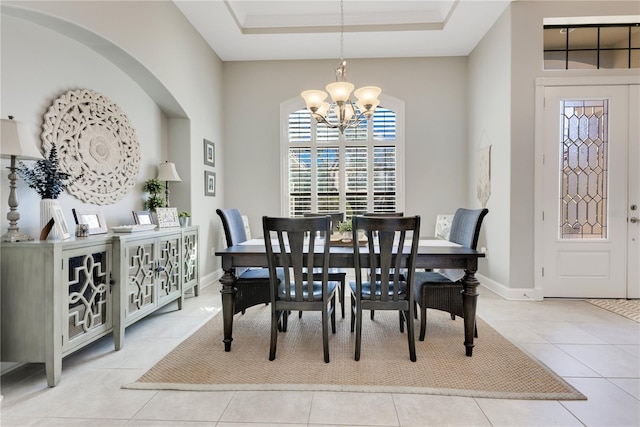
pixel 94 138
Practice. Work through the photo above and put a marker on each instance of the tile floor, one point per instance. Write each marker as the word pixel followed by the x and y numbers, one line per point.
pixel 596 351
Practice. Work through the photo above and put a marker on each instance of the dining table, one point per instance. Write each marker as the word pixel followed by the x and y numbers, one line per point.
pixel 433 253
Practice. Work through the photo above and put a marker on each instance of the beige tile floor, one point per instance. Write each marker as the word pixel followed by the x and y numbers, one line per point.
pixel 596 351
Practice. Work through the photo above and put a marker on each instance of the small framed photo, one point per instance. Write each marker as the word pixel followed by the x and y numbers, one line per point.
pixel 60 223
pixel 94 218
pixel 209 153
pixel 167 217
pixel 209 183
pixel 143 217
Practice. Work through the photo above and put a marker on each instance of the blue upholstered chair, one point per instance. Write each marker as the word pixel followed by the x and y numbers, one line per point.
pixel 442 290
pixel 252 286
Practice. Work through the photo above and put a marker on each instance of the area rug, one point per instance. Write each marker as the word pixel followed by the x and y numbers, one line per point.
pixel 629 308
pixel 498 368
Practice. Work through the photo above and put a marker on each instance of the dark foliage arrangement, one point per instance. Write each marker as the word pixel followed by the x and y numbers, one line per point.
pixel 45 177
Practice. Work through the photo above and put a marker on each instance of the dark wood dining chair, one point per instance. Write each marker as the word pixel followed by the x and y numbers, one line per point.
pixel 252 285
pixel 301 245
pixel 392 245
pixel 335 274
pixel 433 289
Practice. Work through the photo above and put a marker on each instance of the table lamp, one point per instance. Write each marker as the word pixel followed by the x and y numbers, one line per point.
pixel 167 172
pixel 15 143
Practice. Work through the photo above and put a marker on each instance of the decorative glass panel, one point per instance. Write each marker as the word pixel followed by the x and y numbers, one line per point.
pixel 169 267
pixel 190 257
pixel 88 287
pixel 583 173
pixel 141 273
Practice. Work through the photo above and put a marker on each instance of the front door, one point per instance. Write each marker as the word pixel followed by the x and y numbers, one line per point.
pixel 589 185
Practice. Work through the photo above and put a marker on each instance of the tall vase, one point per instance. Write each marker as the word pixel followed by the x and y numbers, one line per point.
pixel 46 213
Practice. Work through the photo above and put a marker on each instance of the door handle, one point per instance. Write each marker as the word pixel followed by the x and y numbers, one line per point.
pixel 633 219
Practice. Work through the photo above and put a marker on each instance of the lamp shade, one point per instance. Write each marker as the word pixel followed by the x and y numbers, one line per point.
pixel 340 91
pixel 167 172
pixel 15 140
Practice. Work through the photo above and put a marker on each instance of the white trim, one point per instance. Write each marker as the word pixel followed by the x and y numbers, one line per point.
pixel 511 294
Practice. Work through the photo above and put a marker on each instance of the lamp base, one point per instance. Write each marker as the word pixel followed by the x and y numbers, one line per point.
pixel 16 236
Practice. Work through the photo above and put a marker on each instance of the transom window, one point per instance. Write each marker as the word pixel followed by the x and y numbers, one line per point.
pixel 354 173
pixel 591 46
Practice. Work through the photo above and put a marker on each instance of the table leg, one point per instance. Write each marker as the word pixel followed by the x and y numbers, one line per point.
pixel 228 292
pixel 470 284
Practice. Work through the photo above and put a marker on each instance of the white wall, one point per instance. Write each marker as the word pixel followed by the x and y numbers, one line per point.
pixel 490 125
pixel 146 57
pixel 504 102
pixel 435 96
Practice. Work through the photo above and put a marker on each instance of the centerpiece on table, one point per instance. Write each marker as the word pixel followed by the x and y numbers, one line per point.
pixel 49 182
pixel 345 228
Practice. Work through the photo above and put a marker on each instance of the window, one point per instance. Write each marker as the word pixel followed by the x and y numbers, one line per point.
pixel 591 46
pixel 353 173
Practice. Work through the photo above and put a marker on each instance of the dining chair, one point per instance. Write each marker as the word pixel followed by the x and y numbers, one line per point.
pixel 252 285
pixel 289 243
pixel 335 274
pixel 392 245
pixel 442 289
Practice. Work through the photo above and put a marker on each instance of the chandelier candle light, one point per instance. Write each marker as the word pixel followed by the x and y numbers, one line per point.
pixel 348 114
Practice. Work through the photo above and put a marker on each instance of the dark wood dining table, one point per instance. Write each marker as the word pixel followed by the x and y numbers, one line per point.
pixel 432 253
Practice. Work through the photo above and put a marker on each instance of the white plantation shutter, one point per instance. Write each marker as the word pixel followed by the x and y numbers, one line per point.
pixel 352 173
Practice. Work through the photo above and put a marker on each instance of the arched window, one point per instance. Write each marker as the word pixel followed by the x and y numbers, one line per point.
pixel 360 171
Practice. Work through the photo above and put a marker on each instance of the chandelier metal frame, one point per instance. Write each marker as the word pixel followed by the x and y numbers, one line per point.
pixel 348 113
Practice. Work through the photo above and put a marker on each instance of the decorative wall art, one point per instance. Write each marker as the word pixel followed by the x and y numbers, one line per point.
pixel 209 153
pixel 483 181
pixel 209 183
pixel 94 138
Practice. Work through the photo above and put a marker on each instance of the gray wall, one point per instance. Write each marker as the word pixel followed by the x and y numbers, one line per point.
pixel 435 94
pixel 147 58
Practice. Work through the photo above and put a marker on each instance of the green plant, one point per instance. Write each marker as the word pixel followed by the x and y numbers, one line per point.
pixel 184 214
pixel 155 199
pixel 45 177
pixel 345 226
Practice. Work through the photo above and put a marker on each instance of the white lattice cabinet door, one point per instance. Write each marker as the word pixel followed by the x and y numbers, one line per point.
pixel 88 311
pixel 190 275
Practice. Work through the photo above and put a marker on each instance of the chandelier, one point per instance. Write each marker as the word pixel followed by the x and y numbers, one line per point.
pixel 347 113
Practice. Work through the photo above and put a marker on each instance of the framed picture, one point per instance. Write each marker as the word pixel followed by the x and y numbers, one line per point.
pixel 94 218
pixel 209 183
pixel 167 217
pixel 209 153
pixel 143 217
pixel 60 223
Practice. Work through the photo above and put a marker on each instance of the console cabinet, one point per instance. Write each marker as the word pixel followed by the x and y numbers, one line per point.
pixel 59 296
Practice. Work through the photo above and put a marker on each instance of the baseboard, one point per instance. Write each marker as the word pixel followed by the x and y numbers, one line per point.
pixel 210 278
pixel 511 294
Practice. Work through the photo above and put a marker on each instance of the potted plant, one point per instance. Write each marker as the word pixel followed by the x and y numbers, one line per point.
pixel 155 200
pixel 49 182
pixel 345 228
pixel 183 217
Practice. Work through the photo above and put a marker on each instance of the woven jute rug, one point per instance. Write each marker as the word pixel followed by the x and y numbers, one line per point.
pixel 497 369
pixel 629 308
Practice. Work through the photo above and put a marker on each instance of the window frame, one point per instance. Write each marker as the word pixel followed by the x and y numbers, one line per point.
pixel 297 103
